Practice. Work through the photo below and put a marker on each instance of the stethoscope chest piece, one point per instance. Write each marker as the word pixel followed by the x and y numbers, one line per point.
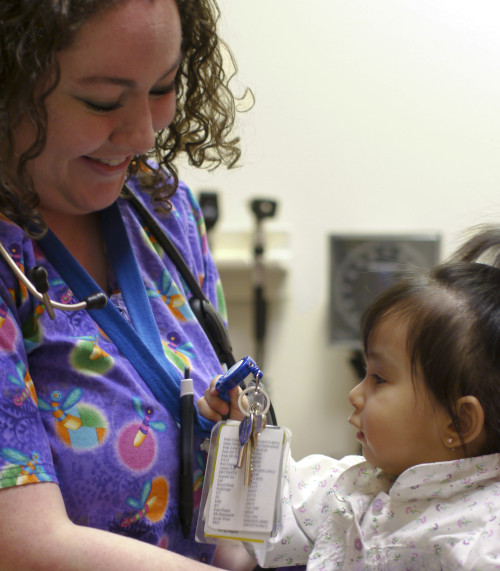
pixel 38 286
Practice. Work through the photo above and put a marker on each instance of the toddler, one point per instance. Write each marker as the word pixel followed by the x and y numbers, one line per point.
pixel 426 492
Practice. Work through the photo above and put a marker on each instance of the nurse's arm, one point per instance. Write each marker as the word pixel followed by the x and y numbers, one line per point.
pixel 36 533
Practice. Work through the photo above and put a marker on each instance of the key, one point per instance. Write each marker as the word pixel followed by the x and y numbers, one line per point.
pixel 259 423
pixel 258 401
pixel 244 433
pixel 258 405
pixel 247 478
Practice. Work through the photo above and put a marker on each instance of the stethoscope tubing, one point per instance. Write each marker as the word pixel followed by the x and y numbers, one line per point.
pixel 43 297
pixel 94 301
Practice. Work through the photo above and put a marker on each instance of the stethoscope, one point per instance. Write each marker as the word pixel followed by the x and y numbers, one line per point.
pixel 204 311
pixel 206 314
pixel 38 286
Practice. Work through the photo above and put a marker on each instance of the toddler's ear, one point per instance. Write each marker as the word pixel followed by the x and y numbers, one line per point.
pixel 470 415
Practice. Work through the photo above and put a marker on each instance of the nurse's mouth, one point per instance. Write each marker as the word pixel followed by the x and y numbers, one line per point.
pixel 120 162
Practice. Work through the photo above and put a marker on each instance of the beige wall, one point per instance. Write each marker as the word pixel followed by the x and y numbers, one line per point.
pixel 371 117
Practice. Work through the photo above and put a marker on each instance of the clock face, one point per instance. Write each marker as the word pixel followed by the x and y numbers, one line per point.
pixel 362 267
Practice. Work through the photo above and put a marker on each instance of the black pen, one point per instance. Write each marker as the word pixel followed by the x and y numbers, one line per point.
pixel 187 444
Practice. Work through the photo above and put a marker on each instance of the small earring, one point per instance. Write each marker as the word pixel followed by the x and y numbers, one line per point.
pixel 449 441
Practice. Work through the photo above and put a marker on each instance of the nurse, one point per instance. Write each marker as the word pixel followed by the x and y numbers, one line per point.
pixel 95 94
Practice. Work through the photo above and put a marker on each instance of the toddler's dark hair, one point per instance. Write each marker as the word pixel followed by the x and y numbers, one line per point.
pixel 453 327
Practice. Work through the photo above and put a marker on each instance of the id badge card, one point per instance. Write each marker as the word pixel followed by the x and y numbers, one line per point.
pixel 234 505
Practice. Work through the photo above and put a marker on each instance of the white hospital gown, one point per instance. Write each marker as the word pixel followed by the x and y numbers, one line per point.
pixel 345 514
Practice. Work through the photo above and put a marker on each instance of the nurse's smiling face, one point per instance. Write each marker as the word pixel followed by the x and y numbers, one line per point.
pixel 399 424
pixel 115 91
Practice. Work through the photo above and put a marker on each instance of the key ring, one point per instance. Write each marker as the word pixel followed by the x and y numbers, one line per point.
pixel 255 391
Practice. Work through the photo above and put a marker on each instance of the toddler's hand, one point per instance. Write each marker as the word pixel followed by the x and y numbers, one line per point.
pixel 212 407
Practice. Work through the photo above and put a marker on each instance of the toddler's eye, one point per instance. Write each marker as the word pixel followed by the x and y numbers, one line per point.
pixel 378 379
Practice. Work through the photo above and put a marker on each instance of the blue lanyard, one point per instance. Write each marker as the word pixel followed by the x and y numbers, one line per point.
pixel 140 344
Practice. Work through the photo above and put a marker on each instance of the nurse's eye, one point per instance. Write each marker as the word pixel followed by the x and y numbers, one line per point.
pixel 101 107
pixel 161 91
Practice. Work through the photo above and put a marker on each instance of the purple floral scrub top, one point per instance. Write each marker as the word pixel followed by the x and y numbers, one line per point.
pixel 73 410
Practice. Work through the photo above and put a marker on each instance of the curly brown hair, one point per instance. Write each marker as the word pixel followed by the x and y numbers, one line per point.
pixel 31 34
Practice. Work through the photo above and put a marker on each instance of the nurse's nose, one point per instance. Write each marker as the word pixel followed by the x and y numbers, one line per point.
pixel 136 133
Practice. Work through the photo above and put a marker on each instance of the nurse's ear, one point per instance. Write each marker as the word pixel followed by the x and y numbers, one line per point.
pixel 472 433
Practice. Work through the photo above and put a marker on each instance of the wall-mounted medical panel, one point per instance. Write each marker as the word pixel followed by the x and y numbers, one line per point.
pixel 361 266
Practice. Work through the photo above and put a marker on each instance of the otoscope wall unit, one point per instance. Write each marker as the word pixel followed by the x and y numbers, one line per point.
pixel 361 266
pixel 232 252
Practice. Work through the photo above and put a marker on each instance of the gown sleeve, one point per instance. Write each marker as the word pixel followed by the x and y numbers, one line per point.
pixel 307 494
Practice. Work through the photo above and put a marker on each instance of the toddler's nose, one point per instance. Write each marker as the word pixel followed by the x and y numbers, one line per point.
pixel 356 396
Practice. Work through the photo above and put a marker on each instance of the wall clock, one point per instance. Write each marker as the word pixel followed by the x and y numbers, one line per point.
pixel 362 266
